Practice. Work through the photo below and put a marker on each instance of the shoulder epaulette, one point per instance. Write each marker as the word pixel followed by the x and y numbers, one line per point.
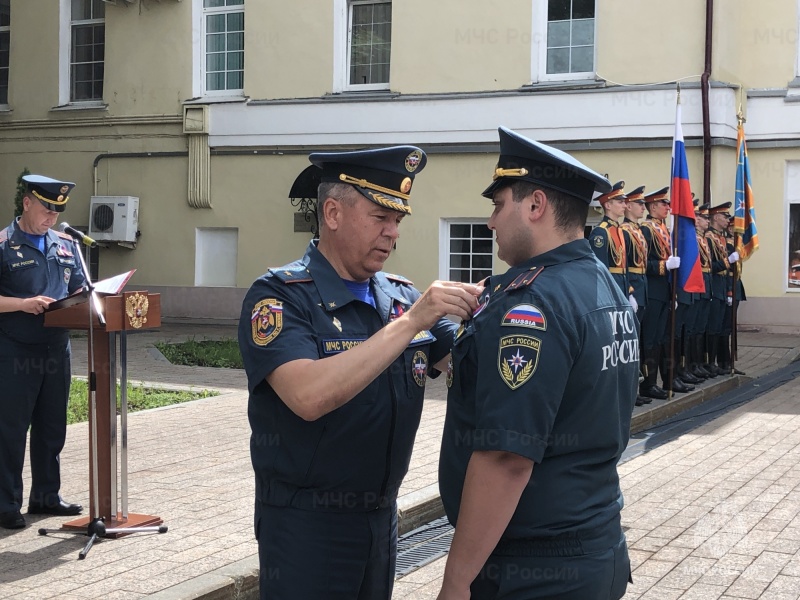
pixel 603 224
pixel 292 274
pixel 63 235
pixel 525 279
pixel 398 279
pixel 3 235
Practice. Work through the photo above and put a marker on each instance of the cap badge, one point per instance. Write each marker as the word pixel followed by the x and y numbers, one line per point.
pixel 64 189
pixel 413 161
pixel 405 185
pixel 60 198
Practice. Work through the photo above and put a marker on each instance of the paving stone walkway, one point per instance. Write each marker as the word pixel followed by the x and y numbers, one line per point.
pixel 190 464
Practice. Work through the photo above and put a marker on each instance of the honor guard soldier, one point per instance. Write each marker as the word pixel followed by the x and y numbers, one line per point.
pixel 738 295
pixel 636 253
pixel 542 387
pixel 697 321
pixel 718 221
pixel 336 354
pixel 37 267
pixel 659 296
pixel 606 238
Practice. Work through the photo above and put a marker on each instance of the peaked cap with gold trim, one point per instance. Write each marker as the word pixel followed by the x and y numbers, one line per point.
pixel 720 208
pixel 52 193
pixel 383 176
pixel 661 195
pixel 523 159
pixel 617 192
pixel 636 196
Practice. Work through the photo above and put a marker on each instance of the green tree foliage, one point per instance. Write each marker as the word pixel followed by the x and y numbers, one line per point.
pixel 21 187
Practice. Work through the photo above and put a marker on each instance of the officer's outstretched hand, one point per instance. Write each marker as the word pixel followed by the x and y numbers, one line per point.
pixel 36 305
pixel 673 262
pixel 445 298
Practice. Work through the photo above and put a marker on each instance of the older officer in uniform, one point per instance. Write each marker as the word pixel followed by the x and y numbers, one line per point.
pixel 542 386
pixel 606 239
pixel 336 353
pixel 37 266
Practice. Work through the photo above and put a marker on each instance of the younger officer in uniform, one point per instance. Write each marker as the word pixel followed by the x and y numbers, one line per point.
pixel 606 238
pixel 636 253
pixel 697 323
pixel 542 387
pixel 37 267
pixel 720 263
pixel 336 353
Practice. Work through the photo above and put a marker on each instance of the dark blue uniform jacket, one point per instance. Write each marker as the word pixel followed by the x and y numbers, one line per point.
pixel 355 457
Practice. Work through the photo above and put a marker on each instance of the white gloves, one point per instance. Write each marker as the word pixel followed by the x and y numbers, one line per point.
pixel 634 304
pixel 730 301
pixel 733 257
pixel 673 262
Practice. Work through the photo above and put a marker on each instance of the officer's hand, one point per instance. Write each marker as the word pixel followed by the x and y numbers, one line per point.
pixel 634 304
pixel 729 300
pixel 445 298
pixel 36 305
pixel 733 257
pixel 673 262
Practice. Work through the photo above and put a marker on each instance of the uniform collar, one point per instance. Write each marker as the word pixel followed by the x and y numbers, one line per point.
pixel 627 220
pixel 334 292
pixel 610 221
pixel 17 237
pixel 574 250
pixel 654 220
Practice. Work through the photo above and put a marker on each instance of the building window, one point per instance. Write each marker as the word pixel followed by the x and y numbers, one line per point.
pixel 468 252
pixel 792 226
pixel 87 50
pixel 223 36
pixel 570 36
pixel 369 44
pixel 562 45
pixel 216 256
pixel 5 45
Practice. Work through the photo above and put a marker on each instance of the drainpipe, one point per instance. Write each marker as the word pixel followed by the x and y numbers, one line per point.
pixel 704 91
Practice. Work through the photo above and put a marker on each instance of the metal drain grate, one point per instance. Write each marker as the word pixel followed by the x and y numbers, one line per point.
pixel 422 546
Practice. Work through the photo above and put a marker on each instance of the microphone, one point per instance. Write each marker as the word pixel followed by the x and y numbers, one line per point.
pixel 78 235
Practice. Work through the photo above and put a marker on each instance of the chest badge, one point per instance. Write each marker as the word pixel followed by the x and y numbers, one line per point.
pixel 338 324
pixel 449 378
pixel 67 275
pixel 20 254
pixel 517 359
pixel 266 321
pixel 419 367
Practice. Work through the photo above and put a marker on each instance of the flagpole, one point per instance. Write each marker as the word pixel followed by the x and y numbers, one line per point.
pixel 673 278
pixel 736 241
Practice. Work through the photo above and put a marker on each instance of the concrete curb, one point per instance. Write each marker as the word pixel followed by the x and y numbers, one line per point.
pixel 236 581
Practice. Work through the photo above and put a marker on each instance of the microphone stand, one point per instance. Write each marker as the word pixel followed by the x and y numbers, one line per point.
pixel 97 528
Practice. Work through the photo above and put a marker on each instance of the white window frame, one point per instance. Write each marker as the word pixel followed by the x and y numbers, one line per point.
pixel 342 29
pixel 539 48
pixel 444 242
pixel 792 198
pixel 65 57
pixel 7 29
pixel 199 51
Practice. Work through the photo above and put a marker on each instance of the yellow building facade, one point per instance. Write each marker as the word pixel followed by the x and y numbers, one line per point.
pixel 205 111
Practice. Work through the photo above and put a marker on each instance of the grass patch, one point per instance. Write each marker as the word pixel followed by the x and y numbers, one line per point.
pixel 139 398
pixel 207 353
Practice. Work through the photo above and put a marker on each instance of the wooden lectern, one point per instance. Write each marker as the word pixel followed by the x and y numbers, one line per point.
pixel 129 311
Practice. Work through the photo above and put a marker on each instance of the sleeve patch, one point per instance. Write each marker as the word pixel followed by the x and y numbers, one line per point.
pixel 266 321
pixel 517 359
pixel 598 241
pixel 525 315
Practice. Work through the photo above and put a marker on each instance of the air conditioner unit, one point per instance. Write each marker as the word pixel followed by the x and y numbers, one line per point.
pixel 113 218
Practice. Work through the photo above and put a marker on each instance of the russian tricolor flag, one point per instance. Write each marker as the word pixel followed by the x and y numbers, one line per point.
pixel 684 239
